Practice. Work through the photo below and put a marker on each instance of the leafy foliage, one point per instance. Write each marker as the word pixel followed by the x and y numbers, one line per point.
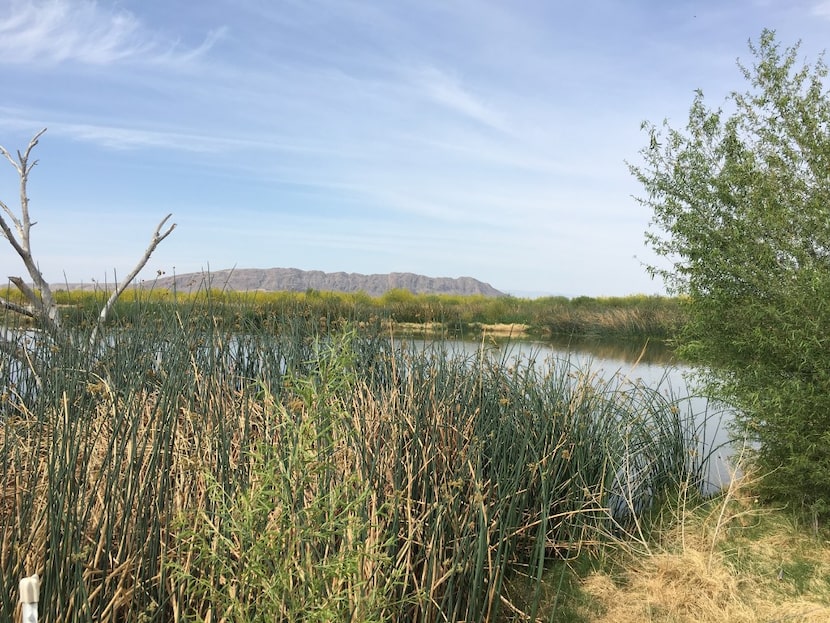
pixel 740 205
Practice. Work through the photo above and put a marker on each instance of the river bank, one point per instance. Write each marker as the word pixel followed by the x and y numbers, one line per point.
pixel 727 559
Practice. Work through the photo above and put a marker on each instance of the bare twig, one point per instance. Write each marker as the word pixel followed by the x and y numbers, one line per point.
pixel 158 236
pixel 36 303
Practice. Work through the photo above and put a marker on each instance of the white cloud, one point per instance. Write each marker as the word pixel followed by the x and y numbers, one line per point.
pixel 118 137
pixel 445 90
pixel 822 9
pixel 130 138
pixel 56 31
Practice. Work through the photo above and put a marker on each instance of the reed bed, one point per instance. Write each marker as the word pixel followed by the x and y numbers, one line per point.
pixel 630 317
pixel 186 472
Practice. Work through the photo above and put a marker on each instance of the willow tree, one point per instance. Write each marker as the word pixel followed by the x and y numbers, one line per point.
pixel 38 301
pixel 741 217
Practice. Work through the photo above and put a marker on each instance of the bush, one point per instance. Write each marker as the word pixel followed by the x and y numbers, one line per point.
pixel 741 212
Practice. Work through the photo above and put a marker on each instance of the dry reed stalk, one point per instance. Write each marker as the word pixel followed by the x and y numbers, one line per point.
pixel 439 477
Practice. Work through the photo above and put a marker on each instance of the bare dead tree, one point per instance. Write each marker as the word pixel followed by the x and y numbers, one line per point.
pixel 40 304
pixel 42 308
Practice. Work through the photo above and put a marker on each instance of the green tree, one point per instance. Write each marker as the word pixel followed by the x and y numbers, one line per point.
pixel 740 200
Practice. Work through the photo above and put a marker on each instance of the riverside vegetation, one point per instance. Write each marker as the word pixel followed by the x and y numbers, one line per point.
pixel 740 223
pixel 298 468
pixel 738 195
pixel 278 470
pixel 631 317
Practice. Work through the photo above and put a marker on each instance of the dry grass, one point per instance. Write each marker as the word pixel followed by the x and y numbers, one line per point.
pixel 727 562
pixel 96 497
pixel 505 330
pixel 498 330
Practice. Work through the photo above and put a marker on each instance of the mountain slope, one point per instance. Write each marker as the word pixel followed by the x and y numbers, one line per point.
pixel 296 280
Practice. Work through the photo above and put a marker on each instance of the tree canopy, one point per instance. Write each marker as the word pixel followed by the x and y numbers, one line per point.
pixel 740 199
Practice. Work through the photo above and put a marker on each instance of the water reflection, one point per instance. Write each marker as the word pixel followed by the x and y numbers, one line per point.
pixel 625 351
pixel 650 362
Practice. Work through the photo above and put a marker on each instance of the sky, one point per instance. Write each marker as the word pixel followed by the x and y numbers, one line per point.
pixel 481 138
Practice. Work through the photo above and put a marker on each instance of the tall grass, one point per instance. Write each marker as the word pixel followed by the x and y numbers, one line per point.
pixel 635 316
pixel 195 472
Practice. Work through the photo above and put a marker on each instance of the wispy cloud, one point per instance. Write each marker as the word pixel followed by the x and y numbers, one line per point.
pixel 132 138
pixel 48 32
pixel 116 137
pixel 135 137
pixel 447 91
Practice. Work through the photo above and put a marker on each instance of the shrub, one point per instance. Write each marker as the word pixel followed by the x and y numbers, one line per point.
pixel 740 207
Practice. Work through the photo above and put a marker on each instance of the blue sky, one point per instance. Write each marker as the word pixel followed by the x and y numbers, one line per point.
pixel 464 137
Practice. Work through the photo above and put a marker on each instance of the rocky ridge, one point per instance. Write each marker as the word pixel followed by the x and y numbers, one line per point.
pixel 296 280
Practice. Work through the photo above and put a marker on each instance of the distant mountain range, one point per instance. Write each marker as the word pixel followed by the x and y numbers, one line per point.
pixel 296 280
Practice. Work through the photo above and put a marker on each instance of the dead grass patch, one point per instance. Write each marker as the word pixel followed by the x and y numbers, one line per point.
pixel 728 561
pixel 498 330
pixel 505 330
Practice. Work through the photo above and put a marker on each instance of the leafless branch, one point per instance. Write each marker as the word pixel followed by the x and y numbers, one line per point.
pixel 158 236
pixel 44 302
pixel 6 231
pixel 18 309
pixel 34 309
pixel 23 169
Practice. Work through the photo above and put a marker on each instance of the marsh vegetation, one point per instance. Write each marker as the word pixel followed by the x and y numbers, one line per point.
pixel 191 470
pixel 634 317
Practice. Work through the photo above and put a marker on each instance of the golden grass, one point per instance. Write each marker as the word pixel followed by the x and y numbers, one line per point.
pixel 497 330
pixel 505 330
pixel 728 562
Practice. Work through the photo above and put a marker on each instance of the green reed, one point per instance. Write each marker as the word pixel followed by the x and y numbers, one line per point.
pixel 630 317
pixel 187 470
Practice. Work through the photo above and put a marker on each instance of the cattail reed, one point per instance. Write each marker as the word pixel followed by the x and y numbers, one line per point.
pixel 197 469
